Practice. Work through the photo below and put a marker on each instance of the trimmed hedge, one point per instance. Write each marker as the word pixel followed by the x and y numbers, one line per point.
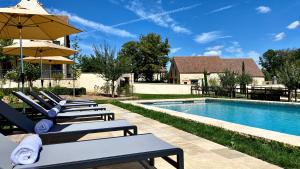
pixel 56 90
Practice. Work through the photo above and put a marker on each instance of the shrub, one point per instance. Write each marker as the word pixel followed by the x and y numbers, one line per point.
pixel 67 91
pixel 1 95
pixel 57 90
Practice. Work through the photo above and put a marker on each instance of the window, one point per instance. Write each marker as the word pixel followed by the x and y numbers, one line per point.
pixel 194 82
pixel 56 42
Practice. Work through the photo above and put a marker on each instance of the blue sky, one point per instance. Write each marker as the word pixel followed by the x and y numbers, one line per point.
pixel 229 28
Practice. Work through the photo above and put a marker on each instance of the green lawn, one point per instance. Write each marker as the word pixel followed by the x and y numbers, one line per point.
pixel 274 152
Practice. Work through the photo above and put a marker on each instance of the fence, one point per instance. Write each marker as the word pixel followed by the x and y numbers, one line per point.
pixel 257 93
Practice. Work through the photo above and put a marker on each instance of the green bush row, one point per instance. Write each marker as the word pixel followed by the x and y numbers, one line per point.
pixel 57 90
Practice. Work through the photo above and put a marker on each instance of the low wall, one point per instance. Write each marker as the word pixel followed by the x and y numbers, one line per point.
pixel 161 88
pixel 86 80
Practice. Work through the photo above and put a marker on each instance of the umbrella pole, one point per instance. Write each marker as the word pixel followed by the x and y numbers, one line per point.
pixel 41 66
pixel 22 64
pixel 50 75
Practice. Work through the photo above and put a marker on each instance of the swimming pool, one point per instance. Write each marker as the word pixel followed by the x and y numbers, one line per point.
pixel 275 117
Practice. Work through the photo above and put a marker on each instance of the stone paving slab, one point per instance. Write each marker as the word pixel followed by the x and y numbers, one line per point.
pixel 198 152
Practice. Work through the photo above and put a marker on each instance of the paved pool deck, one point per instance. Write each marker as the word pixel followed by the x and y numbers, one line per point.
pixel 199 153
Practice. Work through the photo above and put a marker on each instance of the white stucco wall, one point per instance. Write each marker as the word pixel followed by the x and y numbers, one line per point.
pixel 258 81
pixel 161 88
pixel 86 80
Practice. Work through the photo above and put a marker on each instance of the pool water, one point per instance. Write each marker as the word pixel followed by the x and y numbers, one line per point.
pixel 280 118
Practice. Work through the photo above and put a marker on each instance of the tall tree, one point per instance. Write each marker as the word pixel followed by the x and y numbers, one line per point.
pixel 130 51
pixel 75 67
pixel 205 81
pixel 5 60
pixel 111 67
pixel 289 75
pixel 31 73
pixel 272 60
pixel 88 64
pixel 228 81
pixel 148 56
pixel 244 79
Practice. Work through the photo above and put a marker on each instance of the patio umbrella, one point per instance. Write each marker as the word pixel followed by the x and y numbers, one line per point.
pixel 50 61
pixel 40 49
pixel 29 20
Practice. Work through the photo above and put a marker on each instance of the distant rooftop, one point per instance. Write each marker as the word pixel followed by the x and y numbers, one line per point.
pixel 215 64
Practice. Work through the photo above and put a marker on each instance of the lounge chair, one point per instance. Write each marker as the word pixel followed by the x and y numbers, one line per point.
pixel 49 106
pixel 96 153
pixel 67 113
pixel 22 96
pixel 27 125
pixel 58 98
pixel 74 104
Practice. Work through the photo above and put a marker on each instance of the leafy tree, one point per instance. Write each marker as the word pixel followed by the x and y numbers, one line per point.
pixel 289 75
pixel 12 76
pixel 272 60
pixel 31 73
pixel 147 56
pixel 228 81
pixel 5 60
pixel 213 83
pixel 75 67
pixel 244 79
pixel 130 50
pixel 89 64
pixel 110 67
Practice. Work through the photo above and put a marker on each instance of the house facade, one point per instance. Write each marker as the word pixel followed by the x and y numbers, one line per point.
pixel 190 69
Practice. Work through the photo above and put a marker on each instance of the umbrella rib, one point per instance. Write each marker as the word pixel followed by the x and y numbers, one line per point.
pixel 27 19
pixel 5 23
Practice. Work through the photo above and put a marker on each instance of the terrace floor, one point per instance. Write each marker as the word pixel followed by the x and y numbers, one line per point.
pixel 198 152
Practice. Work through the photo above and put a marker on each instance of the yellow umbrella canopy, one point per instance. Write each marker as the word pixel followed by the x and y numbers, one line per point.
pixel 49 60
pixel 39 49
pixel 29 20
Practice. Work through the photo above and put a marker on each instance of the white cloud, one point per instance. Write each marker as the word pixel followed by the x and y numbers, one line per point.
pixel 293 25
pixel 235 49
pixel 174 50
pixel 213 53
pixel 213 50
pixel 279 36
pixel 157 15
pixel 218 47
pixel 254 55
pixel 94 25
pixel 220 9
pixel 263 9
pixel 207 37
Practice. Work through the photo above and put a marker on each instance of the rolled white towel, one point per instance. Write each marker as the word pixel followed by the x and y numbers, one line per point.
pixel 43 126
pixel 27 151
pixel 63 102
pixel 54 111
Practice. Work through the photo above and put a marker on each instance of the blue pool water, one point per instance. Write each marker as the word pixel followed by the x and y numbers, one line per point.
pixel 280 118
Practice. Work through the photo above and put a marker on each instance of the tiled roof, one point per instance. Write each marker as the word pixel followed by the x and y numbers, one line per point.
pixel 215 64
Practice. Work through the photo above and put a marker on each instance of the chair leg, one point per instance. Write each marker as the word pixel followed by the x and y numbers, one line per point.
pixel 180 160
pixel 151 162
